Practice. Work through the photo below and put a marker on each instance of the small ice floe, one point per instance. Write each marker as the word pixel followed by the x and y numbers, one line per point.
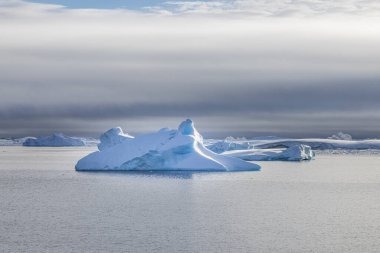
pixel 230 143
pixel 293 153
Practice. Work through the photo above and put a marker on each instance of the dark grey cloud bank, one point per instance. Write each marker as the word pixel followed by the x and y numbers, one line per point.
pixel 298 111
pixel 83 71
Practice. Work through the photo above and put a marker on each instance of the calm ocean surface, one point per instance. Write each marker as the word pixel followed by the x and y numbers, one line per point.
pixel 331 204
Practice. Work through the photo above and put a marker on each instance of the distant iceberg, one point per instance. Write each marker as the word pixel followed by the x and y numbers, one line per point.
pixel 293 153
pixel 14 141
pixel 180 149
pixel 54 140
pixel 341 136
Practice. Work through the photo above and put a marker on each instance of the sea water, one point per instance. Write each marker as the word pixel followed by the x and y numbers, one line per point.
pixel 330 204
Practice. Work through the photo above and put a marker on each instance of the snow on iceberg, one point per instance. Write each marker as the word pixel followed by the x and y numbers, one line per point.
pixel 180 149
pixel 293 153
pixel 55 140
pixel 113 137
pixel 230 143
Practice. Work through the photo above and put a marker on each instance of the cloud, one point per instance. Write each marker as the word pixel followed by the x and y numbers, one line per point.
pixel 274 8
pixel 84 70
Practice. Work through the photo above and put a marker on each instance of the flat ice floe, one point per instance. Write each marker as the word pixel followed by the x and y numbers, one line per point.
pixel 293 153
pixel 54 140
pixel 276 143
pixel 228 144
pixel 321 144
pixel 180 149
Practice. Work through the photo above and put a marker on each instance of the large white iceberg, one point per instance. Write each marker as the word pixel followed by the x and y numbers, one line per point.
pixel 180 149
pixel 54 140
pixel 113 137
pixel 293 153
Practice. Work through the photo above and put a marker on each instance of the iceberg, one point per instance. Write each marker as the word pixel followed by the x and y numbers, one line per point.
pixel 13 141
pixel 341 136
pixel 54 140
pixel 113 137
pixel 180 149
pixel 293 153
pixel 230 143
pixel 88 141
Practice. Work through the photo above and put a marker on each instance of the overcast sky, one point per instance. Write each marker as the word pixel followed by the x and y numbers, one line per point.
pixel 244 68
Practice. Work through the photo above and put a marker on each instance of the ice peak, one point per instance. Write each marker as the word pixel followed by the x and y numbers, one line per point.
pixel 187 128
pixel 113 137
pixel 115 130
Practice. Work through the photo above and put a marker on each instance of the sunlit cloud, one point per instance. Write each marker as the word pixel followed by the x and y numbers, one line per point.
pixel 275 8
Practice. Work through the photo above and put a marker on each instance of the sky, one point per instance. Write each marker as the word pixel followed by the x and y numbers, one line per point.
pixel 291 68
pixel 106 4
